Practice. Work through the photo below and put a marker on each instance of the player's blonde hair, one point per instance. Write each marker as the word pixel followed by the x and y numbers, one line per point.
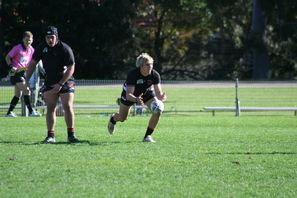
pixel 142 59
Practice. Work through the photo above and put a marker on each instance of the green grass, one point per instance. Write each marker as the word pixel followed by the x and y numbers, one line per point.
pixel 184 100
pixel 196 154
pixel 193 157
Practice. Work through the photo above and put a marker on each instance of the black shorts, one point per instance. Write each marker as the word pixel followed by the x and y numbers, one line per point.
pixel 68 87
pixel 146 97
pixel 17 78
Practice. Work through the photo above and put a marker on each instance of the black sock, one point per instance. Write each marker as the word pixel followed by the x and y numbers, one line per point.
pixel 70 132
pixel 112 120
pixel 13 103
pixel 149 131
pixel 50 133
pixel 27 103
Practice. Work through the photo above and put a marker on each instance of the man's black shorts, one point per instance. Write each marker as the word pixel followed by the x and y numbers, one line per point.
pixel 68 87
pixel 146 97
pixel 17 78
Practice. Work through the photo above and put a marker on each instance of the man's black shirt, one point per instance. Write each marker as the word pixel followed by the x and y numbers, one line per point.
pixel 141 83
pixel 54 60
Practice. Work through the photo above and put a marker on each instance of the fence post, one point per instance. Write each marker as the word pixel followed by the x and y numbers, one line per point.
pixel 237 101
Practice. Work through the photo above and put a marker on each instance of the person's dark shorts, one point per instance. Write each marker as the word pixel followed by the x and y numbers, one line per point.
pixel 17 78
pixel 146 97
pixel 68 87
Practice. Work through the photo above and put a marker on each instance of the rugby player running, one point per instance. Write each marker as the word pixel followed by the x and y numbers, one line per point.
pixel 142 87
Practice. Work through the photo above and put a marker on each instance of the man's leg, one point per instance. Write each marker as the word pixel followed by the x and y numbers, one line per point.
pixel 154 120
pixel 26 91
pixel 67 103
pixel 119 116
pixel 51 100
pixel 14 101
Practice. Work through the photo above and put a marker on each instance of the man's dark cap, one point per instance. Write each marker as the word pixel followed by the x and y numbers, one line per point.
pixel 51 30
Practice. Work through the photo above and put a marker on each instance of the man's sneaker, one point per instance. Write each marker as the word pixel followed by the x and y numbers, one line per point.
pixel 72 139
pixel 49 140
pixel 111 126
pixel 35 114
pixel 11 115
pixel 149 139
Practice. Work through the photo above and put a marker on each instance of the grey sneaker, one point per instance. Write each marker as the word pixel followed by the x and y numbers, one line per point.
pixel 111 126
pixel 49 140
pixel 35 114
pixel 11 115
pixel 149 139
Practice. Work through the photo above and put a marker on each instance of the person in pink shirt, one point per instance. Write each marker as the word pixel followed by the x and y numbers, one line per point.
pixel 18 59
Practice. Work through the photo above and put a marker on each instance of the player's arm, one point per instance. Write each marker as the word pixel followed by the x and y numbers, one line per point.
pixel 131 97
pixel 67 74
pixel 30 69
pixel 159 93
pixel 8 60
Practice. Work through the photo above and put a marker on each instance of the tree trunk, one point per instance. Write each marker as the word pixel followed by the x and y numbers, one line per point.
pixel 260 54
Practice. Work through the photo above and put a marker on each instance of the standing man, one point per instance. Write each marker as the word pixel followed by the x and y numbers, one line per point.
pixel 58 62
pixel 142 87
pixel 18 59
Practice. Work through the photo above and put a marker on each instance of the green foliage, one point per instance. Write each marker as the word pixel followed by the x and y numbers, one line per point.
pixel 205 39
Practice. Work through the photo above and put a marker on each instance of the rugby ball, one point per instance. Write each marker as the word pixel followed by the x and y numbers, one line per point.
pixel 157 106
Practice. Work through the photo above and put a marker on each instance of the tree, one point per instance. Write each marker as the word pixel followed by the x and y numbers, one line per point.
pixel 205 39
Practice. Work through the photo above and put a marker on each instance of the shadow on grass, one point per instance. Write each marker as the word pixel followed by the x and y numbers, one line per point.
pixel 82 142
pixel 251 153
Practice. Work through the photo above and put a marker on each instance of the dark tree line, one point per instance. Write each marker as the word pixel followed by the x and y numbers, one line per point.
pixel 189 39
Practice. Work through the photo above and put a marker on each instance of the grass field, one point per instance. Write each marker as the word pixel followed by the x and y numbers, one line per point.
pixel 196 154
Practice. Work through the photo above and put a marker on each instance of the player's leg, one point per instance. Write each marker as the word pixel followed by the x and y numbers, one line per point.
pixel 26 92
pixel 14 79
pixel 51 100
pixel 67 103
pixel 120 116
pixel 14 101
pixel 154 120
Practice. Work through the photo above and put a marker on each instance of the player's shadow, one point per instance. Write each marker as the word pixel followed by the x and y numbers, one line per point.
pixel 41 142
pixel 82 142
pixel 106 143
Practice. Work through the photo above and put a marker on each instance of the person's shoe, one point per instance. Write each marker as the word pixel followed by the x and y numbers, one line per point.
pixel 72 139
pixel 149 139
pixel 49 140
pixel 35 114
pixel 111 126
pixel 11 115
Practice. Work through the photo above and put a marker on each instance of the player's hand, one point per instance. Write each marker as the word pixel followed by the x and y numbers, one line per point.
pixel 163 97
pixel 139 100
pixel 12 71
pixel 56 88
pixel 20 69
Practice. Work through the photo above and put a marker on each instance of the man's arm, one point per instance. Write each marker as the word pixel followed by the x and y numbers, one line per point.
pixel 130 96
pixel 67 74
pixel 30 69
pixel 159 93
pixel 8 60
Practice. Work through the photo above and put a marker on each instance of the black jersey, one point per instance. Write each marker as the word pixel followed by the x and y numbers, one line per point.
pixel 142 83
pixel 54 60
